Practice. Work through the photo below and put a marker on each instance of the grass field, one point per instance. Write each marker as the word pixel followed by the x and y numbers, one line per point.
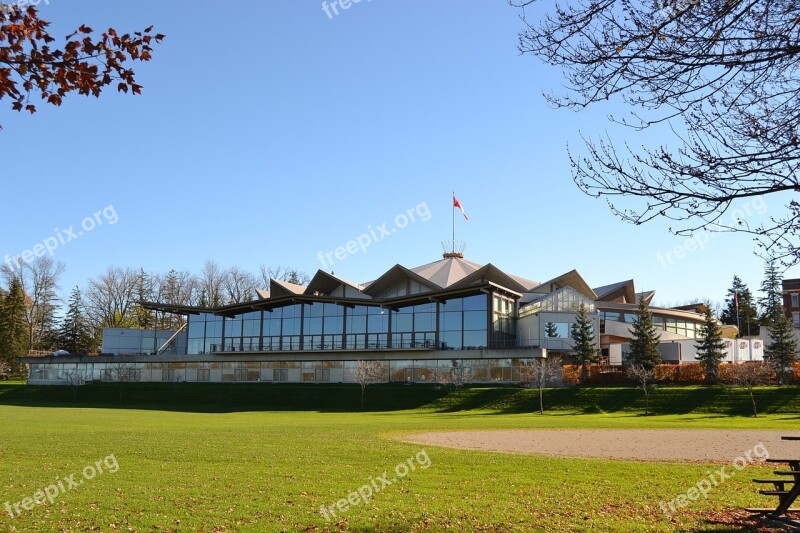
pixel 266 457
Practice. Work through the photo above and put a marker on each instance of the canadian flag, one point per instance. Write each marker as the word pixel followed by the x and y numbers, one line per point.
pixel 457 204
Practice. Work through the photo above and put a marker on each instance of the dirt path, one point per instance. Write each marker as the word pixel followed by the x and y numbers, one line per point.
pixel 676 445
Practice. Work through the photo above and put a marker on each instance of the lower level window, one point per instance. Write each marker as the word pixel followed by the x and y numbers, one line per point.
pixel 280 374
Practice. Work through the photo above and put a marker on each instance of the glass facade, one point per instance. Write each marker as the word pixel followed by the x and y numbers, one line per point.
pixel 451 324
pixel 504 324
pixel 409 371
pixel 563 300
pixel 679 326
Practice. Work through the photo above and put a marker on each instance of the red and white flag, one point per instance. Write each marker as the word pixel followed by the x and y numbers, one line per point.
pixel 457 204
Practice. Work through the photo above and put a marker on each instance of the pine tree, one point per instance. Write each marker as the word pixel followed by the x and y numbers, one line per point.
pixel 747 317
pixel 781 351
pixel 711 350
pixel 644 339
pixel 144 293
pixel 582 333
pixel 14 339
pixel 75 335
pixel 772 287
pixel 551 329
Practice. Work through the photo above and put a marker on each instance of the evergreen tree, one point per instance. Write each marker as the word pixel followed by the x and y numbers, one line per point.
pixel 75 335
pixel 772 287
pixel 582 333
pixel 14 339
pixel 144 293
pixel 781 351
pixel 551 329
pixel 644 339
pixel 711 350
pixel 747 317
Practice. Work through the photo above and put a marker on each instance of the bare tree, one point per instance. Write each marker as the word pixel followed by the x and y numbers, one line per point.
pixel 122 373
pixel 748 376
pixel 39 281
pixel 239 285
pixel 176 288
pixel 5 370
pixel 720 74
pixel 538 373
pixel 645 378
pixel 111 298
pixel 74 378
pixel 452 378
pixel 210 284
pixel 281 273
pixel 368 372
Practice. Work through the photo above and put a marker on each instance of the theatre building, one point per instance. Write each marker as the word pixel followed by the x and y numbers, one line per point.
pixel 421 322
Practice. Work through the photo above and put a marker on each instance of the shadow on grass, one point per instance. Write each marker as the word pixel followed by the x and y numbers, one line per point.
pixel 695 401
pixel 738 520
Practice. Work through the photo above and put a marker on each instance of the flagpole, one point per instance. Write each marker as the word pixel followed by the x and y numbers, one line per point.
pixel 738 332
pixel 453 201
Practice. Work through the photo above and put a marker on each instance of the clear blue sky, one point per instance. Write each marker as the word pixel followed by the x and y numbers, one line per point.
pixel 269 132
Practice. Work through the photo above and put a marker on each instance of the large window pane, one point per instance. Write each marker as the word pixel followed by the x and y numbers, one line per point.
pixel 357 324
pixel 475 339
pixel 333 324
pixel 424 321
pixel 451 340
pixel 451 321
pixel 475 320
pixel 475 303
pixel 402 322
pixel 456 304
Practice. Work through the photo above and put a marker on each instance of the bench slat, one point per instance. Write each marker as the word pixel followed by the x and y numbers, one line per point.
pixel 769 510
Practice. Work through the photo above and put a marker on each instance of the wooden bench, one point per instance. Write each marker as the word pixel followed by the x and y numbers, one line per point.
pixel 787 490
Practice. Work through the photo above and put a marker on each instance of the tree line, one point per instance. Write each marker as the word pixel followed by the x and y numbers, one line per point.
pixel 35 316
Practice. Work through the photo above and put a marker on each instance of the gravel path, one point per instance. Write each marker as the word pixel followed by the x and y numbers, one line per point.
pixel 675 445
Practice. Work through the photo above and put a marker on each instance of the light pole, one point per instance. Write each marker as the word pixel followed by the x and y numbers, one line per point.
pixel 741 221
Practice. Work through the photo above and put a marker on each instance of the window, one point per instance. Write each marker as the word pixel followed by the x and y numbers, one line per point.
pixel 204 374
pixel 280 374
pixel 167 375
pixel 795 299
pixel 322 374
pixel 796 319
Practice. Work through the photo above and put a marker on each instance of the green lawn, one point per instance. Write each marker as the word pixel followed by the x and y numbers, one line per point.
pixel 215 458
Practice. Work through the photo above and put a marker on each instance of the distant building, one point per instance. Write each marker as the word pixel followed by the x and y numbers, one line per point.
pixel 451 314
pixel 791 300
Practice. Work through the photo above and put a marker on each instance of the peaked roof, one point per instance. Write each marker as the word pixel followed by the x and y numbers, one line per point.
pixel 492 274
pixel 569 279
pixel 609 292
pixel 263 294
pixel 447 271
pixel 647 296
pixel 698 307
pixel 325 283
pixel 395 275
pixel 284 288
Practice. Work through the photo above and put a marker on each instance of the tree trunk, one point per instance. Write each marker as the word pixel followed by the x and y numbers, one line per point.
pixel 541 401
pixel 753 400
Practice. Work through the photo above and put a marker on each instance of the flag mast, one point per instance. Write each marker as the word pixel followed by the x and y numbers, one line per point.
pixel 454 223
pixel 454 248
